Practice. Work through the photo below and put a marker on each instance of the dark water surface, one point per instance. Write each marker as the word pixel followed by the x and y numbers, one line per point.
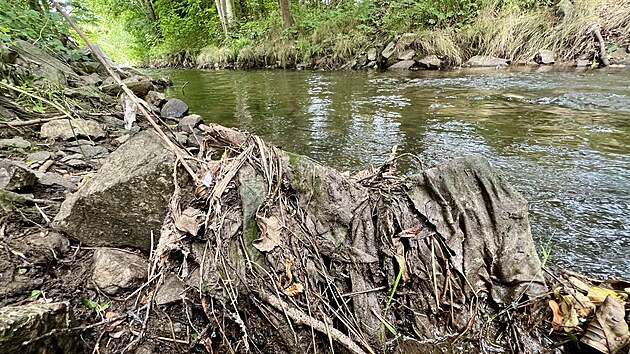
pixel 562 138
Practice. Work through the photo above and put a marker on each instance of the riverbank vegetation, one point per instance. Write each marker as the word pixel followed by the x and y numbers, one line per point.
pixel 333 33
pixel 327 33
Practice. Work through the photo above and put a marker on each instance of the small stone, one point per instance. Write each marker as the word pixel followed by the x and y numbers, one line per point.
pixel 116 271
pixel 18 142
pixel 188 123
pixel 545 57
pixel 372 54
pixel 406 54
pixel 53 241
pixel 170 291
pixel 52 179
pixel 389 50
pixel 174 108
pixel 155 98
pixel 77 163
pixel 484 61
pixel 430 62
pixel 403 65
pixel 582 63
pixel 89 151
pixel 64 130
pixel 39 156
pixel 121 139
pixel 14 177
pixel 93 79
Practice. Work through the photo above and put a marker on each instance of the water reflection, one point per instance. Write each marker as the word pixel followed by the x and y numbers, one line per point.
pixel 562 138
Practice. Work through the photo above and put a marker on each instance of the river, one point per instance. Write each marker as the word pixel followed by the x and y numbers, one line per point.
pixel 561 138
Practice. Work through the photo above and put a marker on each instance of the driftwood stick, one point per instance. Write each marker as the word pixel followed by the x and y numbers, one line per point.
pixel 127 91
pixel 304 319
pixel 603 56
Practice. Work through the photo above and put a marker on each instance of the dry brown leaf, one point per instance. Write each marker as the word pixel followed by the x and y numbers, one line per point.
pixel 597 295
pixel 109 315
pixel 608 331
pixel 189 221
pixel 270 233
pixel 288 264
pixel 558 319
pixel 294 289
pixel 585 308
pixel 569 312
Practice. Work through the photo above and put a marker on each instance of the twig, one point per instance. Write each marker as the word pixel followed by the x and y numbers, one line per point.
pixel 303 319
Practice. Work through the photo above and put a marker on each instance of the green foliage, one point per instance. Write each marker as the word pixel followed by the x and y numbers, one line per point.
pixel 19 21
pixel 93 305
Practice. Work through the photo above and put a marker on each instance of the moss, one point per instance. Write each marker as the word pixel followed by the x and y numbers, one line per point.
pixel 306 178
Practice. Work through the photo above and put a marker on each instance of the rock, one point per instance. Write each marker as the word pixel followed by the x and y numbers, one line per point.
pixel 372 54
pixel 545 57
pixel 389 50
pixel 38 157
pixel 155 98
pixel 430 62
pixel 89 151
pixel 139 88
pixel 170 291
pixel 53 178
pixel 17 142
pixel 349 65
pixel 122 139
pixel 90 67
pixel 582 63
pixel 126 200
pixel 403 65
pixel 7 55
pixel 64 130
pixel 93 79
pixel 20 324
pixel 188 123
pixel 44 65
pixel 14 177
pixel 53 241
pixel 117 271
pixel 406 54
pixel 174 108
pixel 483 61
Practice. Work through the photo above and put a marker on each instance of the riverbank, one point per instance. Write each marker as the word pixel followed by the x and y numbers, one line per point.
pixel 343 38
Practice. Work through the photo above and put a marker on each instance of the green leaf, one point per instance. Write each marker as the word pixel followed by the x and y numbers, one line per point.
pixel 611 47
pixel 22 271
pixel 34 295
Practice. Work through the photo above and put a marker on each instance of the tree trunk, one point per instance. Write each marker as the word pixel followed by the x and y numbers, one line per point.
pixel 285 10
pixel 221 11
pixel 150 11
pixel 229 11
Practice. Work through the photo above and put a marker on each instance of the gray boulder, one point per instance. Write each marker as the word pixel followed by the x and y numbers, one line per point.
pixel 21 324
pixel 372 54
pixel 116 271
pixel 174 108
pixel 64 129
pixel 484 61
pixel 44 65
pixel 188 123
pixel 403 65
pixel 545 57
pixel 155 98
pixel 126 200
pixel 406 54
pixel 17 142
pixel 14 177
pixel 430 62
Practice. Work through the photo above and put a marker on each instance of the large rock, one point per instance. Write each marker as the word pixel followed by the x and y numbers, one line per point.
pixel 14 177
pixel 64 129
pixel 403 65
pixel 43 64
pixel 17 142
pixel 19 325
pixel 545 57
pixel 174 108
pixel 389 50
pixel 484 61
pixel 188 123
pixel 117 270
pixel 406 54
pixel 139 88
pixel 155 98
pixel 430 62
pixel 372 54
pixel 126 200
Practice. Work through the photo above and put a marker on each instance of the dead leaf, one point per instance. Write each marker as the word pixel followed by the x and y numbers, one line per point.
pixel 558 319
pixel 294 289
pixel 580 285
pixel 597 295
pixel 569 312
pixel 270 233
pixel 188 221
pixel 608 331
pixel 109 315
pixel 288 264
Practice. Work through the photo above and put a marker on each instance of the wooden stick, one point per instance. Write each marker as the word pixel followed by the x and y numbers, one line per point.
pixel 603 56
pixel 127 91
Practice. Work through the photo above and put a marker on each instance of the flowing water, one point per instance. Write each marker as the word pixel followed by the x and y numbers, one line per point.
pixel 562 138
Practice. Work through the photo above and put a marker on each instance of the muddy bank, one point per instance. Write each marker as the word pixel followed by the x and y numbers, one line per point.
pixel 251 248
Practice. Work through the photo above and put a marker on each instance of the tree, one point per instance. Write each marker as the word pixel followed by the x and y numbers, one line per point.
pixel 285 11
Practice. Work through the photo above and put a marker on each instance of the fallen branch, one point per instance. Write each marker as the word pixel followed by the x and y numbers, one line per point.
pixel 603 56
pixel 128 92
